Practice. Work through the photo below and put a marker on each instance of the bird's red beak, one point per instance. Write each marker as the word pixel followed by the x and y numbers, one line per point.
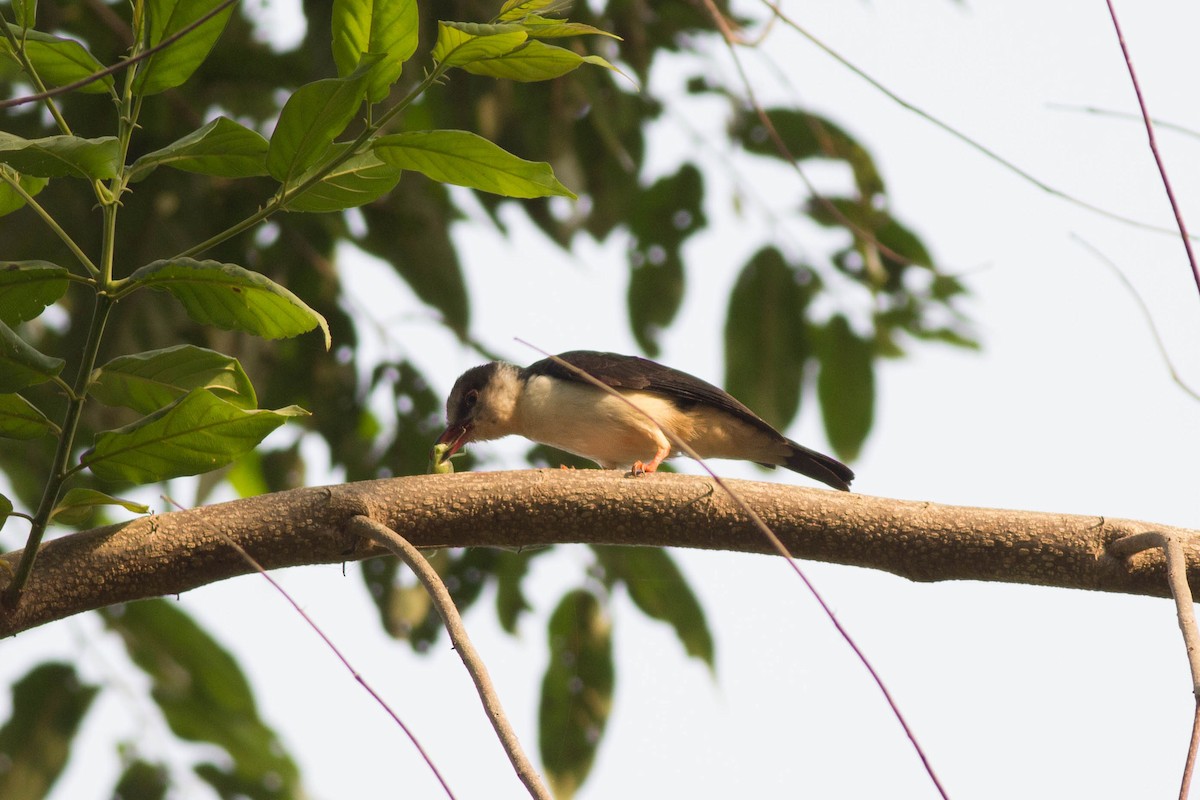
pixel 454 437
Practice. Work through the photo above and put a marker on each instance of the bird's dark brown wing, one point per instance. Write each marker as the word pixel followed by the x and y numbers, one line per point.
pixel 633 372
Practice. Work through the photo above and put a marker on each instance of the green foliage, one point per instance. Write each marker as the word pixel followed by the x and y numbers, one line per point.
pixel 576 691
pixel 197 433
pixel 173 65
pixel 230 297
pixel 315 115
pixel 21 419
pixel 846 387
pixel 664 216
pixel 142 780
pixel 47 706
pixel 358 180
pixel 21 365
pixel 465 159
pixel 462 43
pixel 770 321
pixel 222 148
pixel 12 195
pixel 59 156
pixel 659 589
pixel 77 505
pixel 146 382
pixel 27 287
pixel 26 13
pixel 204 697
pixel 766 322
pixel 384 28
pixel 58 61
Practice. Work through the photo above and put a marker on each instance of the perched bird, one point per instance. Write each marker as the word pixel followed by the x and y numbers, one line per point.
pixel 551 404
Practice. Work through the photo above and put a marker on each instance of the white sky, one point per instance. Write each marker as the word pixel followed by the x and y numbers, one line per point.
pixel 1013 691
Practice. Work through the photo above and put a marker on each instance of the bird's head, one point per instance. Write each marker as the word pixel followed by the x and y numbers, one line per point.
pixel 480 406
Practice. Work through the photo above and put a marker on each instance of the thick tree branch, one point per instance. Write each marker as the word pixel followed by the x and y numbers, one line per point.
pixel 171 553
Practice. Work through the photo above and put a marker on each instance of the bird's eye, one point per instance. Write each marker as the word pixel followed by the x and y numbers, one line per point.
pixel 470 398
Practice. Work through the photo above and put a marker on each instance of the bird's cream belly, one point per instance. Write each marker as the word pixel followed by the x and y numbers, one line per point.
pixel 589 422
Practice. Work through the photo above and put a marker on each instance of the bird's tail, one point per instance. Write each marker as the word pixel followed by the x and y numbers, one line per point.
pixel 819 467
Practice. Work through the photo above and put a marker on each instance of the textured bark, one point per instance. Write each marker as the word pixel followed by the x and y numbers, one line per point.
pixel 171 553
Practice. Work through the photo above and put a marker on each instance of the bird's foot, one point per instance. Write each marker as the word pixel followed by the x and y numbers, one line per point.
pixel 639 469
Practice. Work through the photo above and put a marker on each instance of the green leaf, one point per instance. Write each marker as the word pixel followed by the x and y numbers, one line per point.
pixel 402 607
pixel 27 287
pixel 660 221
pixel 60 156
pixel 461 43
pixel 576 691
pixel 465 159
pixel 358 180
pixel 173 65
pixel 205 697
pixel 148 381
pixel 517 10
pixel 25 12
pixel 846 387
pixel 533 61
pixel 47 706
pixel 890 233
pixel 766 338
pixel 809 136
pixel 387 28
pixel 143 781
pixel 197 433
pixel 21 365
pixel 539 27
pixel 511 569
pixel 78 504
pixel 20 419
pixel 59 61
pixel 659 589
pixel 312 118
pixel 11 199
pixel 222 148
pixel 230 297
pixel 6 509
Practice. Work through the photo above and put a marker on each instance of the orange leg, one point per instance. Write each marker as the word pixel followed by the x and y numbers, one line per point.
pixel 641 469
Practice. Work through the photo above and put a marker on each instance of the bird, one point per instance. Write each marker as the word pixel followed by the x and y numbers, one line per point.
pixel 550 403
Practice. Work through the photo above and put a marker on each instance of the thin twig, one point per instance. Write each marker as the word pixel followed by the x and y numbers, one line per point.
pixel 1189 765
pixel 1121 276
pixel 14 182
pixel 1162 168
pixel 779 547
pixel 1185 613
pixel 950 129
pixel 731 40
pixel 1124 115
pixel 120 65
pixel 440 595
pixel 249 559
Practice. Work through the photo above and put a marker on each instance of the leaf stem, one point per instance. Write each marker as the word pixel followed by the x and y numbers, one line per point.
pixel 66 442
pixel 28 68
pixel 13 181
pixel 110 200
